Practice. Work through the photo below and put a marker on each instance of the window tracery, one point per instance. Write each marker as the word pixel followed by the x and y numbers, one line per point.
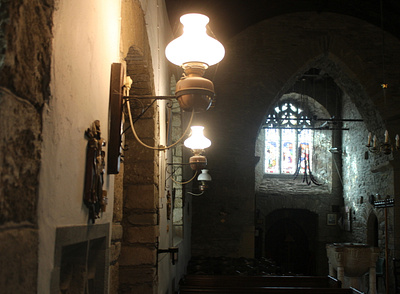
pixel 288 139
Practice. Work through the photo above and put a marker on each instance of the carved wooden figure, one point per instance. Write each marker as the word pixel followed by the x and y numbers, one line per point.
pixel 94 196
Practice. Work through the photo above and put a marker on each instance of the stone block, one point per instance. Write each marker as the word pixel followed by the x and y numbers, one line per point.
pixel 138 275
pixel 143 219
pixel 145 128
pixel 116 232
pixel 178 216
pixel 136 152
pixel 115 251
pixel 176 122
pixel 140 172
pixel 26 55
pixel 146 117
pixel 145 234
pixel 114 278
pixel 178 202
pixel 20 147
pixel 18 259
pixel 137 255
pixel 139 288
pixel 141 197
pixel 118 195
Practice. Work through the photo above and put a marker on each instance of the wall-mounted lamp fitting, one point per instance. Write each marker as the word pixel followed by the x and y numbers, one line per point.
pixel 194 51
pixel 197 142
pixel 204 178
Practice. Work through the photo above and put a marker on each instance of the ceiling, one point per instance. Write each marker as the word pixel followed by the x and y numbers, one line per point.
pixel 229 17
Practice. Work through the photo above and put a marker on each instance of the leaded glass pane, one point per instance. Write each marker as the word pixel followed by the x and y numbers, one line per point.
pixel 305 141
pixel 272 147
pixel 288 151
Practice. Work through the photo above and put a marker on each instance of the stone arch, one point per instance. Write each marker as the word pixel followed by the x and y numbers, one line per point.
pixel 276 63
pixel 290 235
pixel 136 197
pixel 140 197
pixel 261 64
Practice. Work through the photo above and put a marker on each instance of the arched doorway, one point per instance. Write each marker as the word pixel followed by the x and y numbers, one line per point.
pixel 290 240
pixel 372 230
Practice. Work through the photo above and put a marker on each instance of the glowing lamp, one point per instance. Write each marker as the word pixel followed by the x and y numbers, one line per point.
pixel 194 45
pixel 194 51
pixel 197 142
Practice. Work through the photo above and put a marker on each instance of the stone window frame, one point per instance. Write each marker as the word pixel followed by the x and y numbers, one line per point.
pixel 279 126
pixel 322 170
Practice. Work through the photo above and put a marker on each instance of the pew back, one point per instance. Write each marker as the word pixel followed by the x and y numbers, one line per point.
pixel 193 284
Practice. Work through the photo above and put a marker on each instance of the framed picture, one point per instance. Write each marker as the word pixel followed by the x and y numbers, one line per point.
pixel 331 219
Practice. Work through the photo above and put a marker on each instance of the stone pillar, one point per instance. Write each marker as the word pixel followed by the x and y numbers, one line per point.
pixel 138 259
pixel 372 280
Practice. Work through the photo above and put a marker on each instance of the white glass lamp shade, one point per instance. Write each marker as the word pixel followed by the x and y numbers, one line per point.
pixel 197 140
pixel 194 45
pixel 204 176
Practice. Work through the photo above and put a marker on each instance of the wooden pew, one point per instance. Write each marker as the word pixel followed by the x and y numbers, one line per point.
pixel 193 284
pixel 262 281
pixel 267 290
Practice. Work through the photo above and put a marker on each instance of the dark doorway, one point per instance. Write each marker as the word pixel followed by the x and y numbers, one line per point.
pixel 372 230
pixel 290 240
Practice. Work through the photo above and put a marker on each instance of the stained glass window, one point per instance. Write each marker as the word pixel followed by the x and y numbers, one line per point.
pixel 272 148
pixel 288 135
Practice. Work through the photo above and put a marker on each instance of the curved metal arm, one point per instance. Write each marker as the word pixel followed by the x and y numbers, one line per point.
pixel 160 148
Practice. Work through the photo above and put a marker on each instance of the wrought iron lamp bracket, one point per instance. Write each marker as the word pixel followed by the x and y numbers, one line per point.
pixel 144 108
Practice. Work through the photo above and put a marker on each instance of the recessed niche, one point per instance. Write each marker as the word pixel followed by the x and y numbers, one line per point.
pixel 81 260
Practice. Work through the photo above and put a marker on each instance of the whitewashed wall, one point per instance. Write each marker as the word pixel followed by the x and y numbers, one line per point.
pixel 86 43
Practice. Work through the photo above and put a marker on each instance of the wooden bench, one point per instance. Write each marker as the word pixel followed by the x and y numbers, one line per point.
pixel 268 290
pixel 193 284
pixel 262 281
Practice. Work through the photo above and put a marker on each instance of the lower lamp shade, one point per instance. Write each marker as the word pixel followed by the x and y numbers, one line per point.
pixel 204 176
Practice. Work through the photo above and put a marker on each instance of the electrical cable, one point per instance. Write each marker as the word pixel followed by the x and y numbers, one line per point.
pixel 183 183
pixel 193 194
pixel 160 148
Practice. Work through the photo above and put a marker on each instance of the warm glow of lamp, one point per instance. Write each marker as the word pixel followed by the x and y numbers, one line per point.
pixel 195 45
pixel 197 140
pixel 194 51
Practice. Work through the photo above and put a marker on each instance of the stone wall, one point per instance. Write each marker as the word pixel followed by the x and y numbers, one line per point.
pixel 177 169
pixel 364 175
pixel 25 56
pixel 138 260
